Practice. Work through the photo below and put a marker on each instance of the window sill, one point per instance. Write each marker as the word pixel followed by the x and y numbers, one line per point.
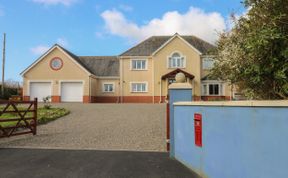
pixel 212 95
pixel 139 92
pixel 139 69
pixel 176 67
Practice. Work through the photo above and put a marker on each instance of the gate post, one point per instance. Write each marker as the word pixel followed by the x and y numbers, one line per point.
pixel 179 91
pixel 35 107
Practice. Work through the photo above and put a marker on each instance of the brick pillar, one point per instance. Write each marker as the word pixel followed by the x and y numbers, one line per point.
pixel 86 99
pixel 56 99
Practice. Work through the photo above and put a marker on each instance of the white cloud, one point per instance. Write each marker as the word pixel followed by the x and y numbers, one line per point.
pixel 194 22
pixel 63 42
pixel 55 2
pixel 39 50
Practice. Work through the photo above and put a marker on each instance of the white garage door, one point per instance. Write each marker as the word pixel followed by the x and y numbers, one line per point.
pixel 71 91
pixel 40 90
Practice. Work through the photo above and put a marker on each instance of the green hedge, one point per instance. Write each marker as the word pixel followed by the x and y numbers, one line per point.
pixel 8 92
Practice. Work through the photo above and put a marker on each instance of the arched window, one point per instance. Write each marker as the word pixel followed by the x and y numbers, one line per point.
pixel 176 61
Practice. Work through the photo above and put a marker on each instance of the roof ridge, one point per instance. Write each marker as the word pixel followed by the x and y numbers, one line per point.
pixel 194 36
pixel 148 46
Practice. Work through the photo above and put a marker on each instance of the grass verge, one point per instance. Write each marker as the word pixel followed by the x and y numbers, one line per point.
pixel 43 115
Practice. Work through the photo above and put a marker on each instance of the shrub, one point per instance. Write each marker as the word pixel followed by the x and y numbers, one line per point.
pixel 47 104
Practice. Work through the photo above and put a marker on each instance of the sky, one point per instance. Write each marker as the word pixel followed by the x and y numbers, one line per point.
pixel 103 27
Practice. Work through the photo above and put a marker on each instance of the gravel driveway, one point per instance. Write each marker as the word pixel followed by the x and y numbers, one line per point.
pixel 139 127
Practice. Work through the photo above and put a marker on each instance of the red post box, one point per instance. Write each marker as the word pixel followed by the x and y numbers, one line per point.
pixel 198 129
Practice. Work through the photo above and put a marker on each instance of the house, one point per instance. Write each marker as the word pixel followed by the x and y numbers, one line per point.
pixel 140 74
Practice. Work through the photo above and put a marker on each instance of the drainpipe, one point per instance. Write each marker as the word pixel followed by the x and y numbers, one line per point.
pixel 90 96
pixel 153 81
pixel 231 92
pixel 119 91
pixel 193 90
pixel 121 79
pixel 160 101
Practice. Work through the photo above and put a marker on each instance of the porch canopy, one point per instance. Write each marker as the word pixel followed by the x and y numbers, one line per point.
pixel 176 71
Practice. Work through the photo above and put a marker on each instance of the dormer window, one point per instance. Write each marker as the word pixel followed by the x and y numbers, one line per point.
pixel 176 60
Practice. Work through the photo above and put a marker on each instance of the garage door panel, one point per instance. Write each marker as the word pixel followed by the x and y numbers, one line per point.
pixel 40 90
pixel 72 91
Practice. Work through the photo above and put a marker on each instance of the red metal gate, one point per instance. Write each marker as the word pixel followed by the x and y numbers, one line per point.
pixel 18 117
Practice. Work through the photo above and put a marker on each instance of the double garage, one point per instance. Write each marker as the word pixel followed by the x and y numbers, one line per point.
pixel 70 91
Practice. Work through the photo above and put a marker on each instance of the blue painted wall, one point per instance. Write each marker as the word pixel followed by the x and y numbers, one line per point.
pixel 176 95
pixel 238 142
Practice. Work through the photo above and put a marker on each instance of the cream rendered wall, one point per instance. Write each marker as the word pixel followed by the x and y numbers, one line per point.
pixel 204 73
pixel 101 81
pixel 227 88
pixel 128 75
pixel 94 83
pixel 42 71
pixel 193 65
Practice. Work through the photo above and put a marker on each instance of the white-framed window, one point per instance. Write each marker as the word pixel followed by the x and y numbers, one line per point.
pixel 139 87
pixel 139 64
pixel 108 87
pixel 212 89
pixel 176 60
pixel 207 63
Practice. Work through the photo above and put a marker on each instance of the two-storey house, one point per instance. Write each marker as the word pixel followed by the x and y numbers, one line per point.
pixel 140 74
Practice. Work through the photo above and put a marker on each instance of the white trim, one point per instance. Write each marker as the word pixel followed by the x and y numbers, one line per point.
pixel 109 83
pixel 70 81
pixel 212 81
pixel 108 77
pixel 45 54
pixel 38 81
pixel 139 82
pixel 143 59
pixel 247 103
pixel 174 36
pixel 93 76
pixel 181 55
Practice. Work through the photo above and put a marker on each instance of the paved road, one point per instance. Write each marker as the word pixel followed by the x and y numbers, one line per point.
pixel 30 163
pixel 100 127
